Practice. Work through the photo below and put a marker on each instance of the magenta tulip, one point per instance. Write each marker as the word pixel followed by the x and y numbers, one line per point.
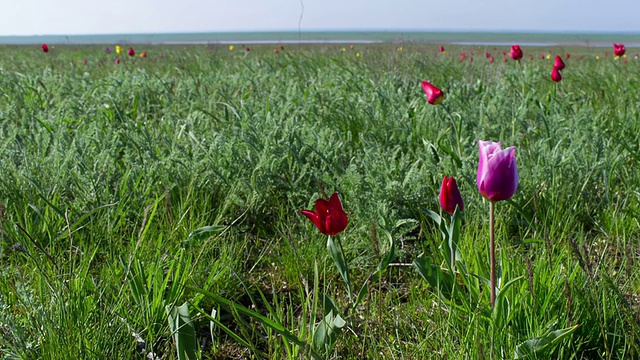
pixel 450 195
pixel 328 217
pixel 559 64
pixel 434 95
pixel 516 52
pixel 497 177
pixel 556 76
pixel 45 48
pixel 619 49
pixel 131 52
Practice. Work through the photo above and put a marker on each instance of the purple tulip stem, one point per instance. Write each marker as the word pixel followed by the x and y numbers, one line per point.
pixel 492 252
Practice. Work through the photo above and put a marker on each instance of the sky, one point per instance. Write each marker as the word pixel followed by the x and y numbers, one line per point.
pixel 74 17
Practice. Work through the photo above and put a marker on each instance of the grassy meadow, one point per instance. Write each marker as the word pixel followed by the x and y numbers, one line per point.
pixel 150 209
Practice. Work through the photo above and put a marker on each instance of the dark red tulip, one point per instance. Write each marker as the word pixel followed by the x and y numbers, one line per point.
pixel 441 48
pixel 487 55
pixel 516 52
pixel 131 52
pixel 567 56
pixel 281 47
pixel 117 60
pixel 491 60
pixel 434 95
pixel 450 195
pixel 275 51
pixel 558 64
pixel 556 76
pixel 619 49
pixel 328 217
pixel 45 48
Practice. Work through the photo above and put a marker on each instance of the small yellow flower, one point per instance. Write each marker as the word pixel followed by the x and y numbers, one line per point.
pixel 118 50
pixel 343 50
pixel 597 57
pixel 399 48
pixel 616 57
pixel 231 47
pixel 548 56
pixel 358 54
pixel 624 56
pixel 444 53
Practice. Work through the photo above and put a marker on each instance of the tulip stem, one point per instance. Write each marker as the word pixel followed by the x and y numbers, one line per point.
pixel 492 252
pixel 456 132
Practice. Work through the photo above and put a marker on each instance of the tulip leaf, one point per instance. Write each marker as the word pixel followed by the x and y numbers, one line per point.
pixel 539 343
pixel 326 332
pixel 433 274
pixel 501 309
pixel 183 331
pixel 338 258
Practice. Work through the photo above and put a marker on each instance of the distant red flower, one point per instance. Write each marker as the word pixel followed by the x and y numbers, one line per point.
pixel 328 217
pixel 619 49
pixel 45 48
pixel 505 59
pixel 450 195
pixel 487 55
pixel 559 64
pixel 441 48
pixel 556 76
pixel 117 60
pixel 275 51
pixel 248 49
pixel 131 52
pixel 491 60
pixel 516 52
pixel 567 56
pixel 84 62
pixel 143 54
pixel 281 47
pixel 434 95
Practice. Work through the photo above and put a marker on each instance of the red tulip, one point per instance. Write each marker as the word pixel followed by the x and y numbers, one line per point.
pixel 559 64
pixel 143 54
pixel 328 217
pixel 45 48
pixel 281 47
pixel 619 49
pixel 450 195
pixel 434 95
pixel 441 48
pixel 556 76
pixel 117 60
pixel 497 177
pixel 275 51
pixel 516 52
pixel 567 56
pixel 131 52
pixel 491 60
pixel 487 55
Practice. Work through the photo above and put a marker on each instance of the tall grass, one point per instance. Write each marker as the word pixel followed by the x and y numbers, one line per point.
pixel 106 169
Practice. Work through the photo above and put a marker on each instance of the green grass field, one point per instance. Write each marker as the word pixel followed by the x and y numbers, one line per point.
pixel 128 190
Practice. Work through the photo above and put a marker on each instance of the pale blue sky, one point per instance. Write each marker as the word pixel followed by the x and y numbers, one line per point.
pixel 69 17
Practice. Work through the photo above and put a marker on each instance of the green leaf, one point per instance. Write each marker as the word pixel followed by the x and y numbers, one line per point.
pixel 538 343
pixel 441 281
pixel 183 331
pixel 341 263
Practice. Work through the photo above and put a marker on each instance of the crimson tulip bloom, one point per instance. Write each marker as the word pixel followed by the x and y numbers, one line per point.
pixel 556 76
pixel 45 48
pixel 516 52
pixel 434 95
pixel 450 195
pixel 131 52
pixel 441 48
pixel 559 64
pixel 619 49
pixel 329 217
pixel 497 177
pixel 117 60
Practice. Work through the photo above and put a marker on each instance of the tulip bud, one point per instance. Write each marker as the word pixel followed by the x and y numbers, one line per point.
pixel 559 64
pixel 619 49
pixel 497 177
pixel 450 195
pixel 516 52
pixel 434 95
pixel 556 76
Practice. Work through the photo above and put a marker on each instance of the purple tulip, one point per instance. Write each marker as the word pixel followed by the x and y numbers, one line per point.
pixel 497 177
pixel 107 50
